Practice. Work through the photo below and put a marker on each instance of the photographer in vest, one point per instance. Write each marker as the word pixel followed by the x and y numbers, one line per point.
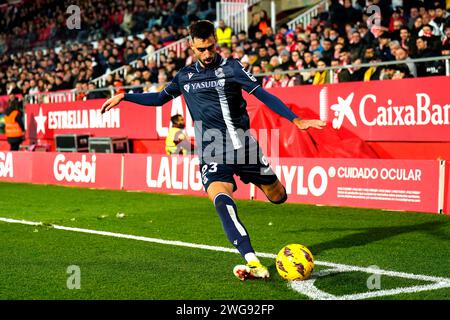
pixel 14 126
pixel 177 141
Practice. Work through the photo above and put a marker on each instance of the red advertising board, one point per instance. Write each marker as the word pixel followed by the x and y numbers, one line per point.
pixel 414 110
pixel 166 174
pixel 16 166
pixel 78 169
pixel 84 117
pixel 447 188
pixel 411 185
pixel 400 110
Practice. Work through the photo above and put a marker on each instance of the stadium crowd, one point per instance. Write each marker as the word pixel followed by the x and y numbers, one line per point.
pixel 345 34
pixel 39 53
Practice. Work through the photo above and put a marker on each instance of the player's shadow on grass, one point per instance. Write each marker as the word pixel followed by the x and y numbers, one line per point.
pixel 368 235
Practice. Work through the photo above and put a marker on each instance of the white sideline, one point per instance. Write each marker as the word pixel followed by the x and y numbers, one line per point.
pixel 304 287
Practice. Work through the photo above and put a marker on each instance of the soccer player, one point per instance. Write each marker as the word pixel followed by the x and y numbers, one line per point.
pixel 212 90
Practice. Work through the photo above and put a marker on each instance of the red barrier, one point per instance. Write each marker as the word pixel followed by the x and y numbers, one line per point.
pixel 447 188
pixel 16 166
pixel 77 169
pixel 166 174
pixel 400 110
pixel 411 185
pixel 84 117
pixel 410 110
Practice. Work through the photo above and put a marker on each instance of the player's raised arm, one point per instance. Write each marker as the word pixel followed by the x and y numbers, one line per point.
pixel 145 99
pixel 275 104
pixel 154 99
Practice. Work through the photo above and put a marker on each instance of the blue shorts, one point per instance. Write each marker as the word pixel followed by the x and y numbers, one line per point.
pixel 259 172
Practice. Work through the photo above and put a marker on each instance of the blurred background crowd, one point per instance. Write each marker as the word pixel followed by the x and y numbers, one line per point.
pixel 38 53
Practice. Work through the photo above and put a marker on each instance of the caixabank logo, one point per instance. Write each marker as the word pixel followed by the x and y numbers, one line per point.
pixel 371 111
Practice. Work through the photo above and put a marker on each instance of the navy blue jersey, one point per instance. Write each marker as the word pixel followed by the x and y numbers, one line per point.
pixel 214 98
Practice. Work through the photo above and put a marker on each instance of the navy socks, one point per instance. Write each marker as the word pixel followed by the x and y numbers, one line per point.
pixel 235 230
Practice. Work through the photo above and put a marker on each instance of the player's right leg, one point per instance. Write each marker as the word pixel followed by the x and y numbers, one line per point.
pixel 275 192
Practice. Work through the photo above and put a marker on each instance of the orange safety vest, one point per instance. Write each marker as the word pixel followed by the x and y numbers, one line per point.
pixel 12 128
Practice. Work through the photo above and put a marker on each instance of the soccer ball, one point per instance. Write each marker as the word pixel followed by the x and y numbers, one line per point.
pixel 295 262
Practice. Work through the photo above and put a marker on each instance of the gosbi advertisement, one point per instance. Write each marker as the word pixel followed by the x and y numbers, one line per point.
pixel 88 170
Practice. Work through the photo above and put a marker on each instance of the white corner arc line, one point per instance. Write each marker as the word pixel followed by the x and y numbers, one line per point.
pixel 439 282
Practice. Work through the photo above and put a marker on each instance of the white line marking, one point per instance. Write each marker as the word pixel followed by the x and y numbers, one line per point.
pixel 304 287
pixel 391 292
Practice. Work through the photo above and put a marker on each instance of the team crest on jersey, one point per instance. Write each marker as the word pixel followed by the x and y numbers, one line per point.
pixel 219 73
pixel 190 74
pixel 186 87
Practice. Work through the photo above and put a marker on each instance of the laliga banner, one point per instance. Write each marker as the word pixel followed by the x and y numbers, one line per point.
pixel 166 174
pixel 411 185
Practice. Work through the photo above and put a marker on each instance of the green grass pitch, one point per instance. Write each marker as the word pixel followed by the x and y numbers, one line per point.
pixel 34 259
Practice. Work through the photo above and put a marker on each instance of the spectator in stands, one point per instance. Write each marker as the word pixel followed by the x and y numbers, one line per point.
pixel 277 80
pixel 337 14
pixel 93 94
pixel 295 79
pixel 352 15
pixel 373 72
pixel 254 25
pixel 192 8
pixel 285 60
pixel 396 20
pixel 162 81
pixel 321 76
pixel 223 33
pixel 127 22
pixel 433 41
pixel 356 45
pixel 264 22
pixel 413 15
pixel 296 60
pixel 418 24
pixel 383 50
pixel 402 54
pixel 327 52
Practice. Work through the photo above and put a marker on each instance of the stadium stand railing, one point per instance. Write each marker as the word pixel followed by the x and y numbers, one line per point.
pixel 70 96
pixel 235 13
pixel 306 17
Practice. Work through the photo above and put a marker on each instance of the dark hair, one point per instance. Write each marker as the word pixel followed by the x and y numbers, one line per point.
pixel 424 39
pixel 176 119
pixel 202 29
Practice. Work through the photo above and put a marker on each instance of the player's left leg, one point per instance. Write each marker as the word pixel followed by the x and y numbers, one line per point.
pixel 221 194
